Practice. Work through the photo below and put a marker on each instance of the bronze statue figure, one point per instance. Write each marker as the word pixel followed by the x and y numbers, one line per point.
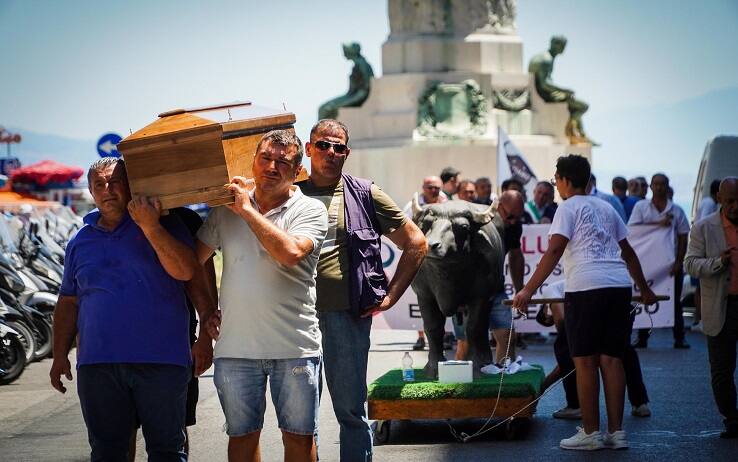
pixel 541 66
pixel 359 84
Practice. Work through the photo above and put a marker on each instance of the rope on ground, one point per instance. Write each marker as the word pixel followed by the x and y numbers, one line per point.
pixel 463 437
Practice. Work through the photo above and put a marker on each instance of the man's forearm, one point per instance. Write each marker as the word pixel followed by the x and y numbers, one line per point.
pixel 65 326
pixel 407 268
pixel 199 292
pixel 177 258
pixel 280 245
pixel 635 269
pixel 516 263
pixel 411 240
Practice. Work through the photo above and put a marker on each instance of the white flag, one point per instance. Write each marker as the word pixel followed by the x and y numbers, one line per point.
pixel 512 164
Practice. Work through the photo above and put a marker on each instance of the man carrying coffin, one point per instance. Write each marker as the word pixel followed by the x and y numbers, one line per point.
pixel 122 296
pixel 271 239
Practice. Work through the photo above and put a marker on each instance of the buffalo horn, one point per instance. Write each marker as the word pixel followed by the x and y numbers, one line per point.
pixel 487 215
pixel 416 205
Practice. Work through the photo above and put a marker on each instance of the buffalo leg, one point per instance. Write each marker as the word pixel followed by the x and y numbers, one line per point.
pixel 477 334
pixel 433 323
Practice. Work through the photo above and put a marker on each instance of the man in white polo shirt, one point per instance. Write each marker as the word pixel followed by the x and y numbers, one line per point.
pixel 661 211
pixel 271 239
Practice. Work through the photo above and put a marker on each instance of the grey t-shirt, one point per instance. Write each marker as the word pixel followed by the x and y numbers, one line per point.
pixel 268 309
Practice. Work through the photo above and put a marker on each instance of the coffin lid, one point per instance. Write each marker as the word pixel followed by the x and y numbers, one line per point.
pixel 234 119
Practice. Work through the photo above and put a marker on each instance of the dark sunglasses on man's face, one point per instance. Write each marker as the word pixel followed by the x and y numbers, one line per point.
pixel 338 148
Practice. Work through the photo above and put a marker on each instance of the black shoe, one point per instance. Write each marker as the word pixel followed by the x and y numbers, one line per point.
pixel 641 344
pixel 419 344
pixel 681 345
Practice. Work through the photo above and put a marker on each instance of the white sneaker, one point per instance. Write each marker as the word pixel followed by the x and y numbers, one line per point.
pixel 568 413
pixel 616 440
pixel 641 411
pixel 582 441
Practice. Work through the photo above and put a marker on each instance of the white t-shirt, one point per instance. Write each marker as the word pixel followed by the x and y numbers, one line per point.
pixel 268 309
pixel 592 257
pixel 644 212
pixel 554 290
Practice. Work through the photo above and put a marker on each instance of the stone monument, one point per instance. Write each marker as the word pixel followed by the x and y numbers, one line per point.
pixel 452 73
pixel 359 84
pixel 541 68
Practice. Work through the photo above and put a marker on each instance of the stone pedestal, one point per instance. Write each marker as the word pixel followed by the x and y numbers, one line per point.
pixel 477 53
pixel 450 43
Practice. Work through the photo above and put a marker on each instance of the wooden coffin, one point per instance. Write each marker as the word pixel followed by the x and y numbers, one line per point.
pixel 188 155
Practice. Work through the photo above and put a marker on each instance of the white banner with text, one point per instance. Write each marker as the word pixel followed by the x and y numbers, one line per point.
pixel 654 246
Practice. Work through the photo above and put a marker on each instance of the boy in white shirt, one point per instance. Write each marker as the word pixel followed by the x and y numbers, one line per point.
pixel 591 237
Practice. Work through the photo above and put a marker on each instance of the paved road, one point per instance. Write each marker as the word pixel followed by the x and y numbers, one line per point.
pixel 39 424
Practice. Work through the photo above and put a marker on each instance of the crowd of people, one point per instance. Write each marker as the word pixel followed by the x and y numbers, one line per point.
pixel 302 277
pixel 631 206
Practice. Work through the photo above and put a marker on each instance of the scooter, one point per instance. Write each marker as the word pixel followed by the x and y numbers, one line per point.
pixel 12 355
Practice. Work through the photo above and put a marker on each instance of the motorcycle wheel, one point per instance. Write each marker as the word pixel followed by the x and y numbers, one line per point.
pixel 44 339
pixel 12 359
pixel 26 337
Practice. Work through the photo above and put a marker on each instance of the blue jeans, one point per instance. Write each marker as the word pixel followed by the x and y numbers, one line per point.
pixel 112 396
pixel 345 356
pixel 241 385
pixel 500 316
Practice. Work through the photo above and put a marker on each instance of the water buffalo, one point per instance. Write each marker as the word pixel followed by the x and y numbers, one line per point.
pixel 463 267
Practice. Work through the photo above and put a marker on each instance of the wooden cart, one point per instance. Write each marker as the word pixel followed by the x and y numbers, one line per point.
pixel 453 404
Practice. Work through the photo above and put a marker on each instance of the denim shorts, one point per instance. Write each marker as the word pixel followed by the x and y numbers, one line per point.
pixel 293 383
pixel 500 316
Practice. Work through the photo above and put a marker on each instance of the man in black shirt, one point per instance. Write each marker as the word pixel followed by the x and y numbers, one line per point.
pixel 507 222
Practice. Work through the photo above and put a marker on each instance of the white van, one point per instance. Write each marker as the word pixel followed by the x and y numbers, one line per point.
pixel 719 161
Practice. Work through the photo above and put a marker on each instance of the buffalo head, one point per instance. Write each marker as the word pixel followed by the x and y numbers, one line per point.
pixel 452 228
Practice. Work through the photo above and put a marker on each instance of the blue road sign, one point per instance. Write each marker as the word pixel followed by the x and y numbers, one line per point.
pixel 107 145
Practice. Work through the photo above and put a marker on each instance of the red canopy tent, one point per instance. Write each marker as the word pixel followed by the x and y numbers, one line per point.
pixel 45 172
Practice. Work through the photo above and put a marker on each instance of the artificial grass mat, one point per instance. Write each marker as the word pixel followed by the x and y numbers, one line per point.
pixel 390 386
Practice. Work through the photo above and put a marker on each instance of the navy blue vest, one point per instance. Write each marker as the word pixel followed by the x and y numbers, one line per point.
pixel 367 281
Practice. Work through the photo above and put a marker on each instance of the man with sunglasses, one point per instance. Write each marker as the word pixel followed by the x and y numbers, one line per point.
pixel 351 285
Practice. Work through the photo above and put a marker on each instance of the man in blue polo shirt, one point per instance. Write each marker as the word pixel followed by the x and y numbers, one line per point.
pixel 122 295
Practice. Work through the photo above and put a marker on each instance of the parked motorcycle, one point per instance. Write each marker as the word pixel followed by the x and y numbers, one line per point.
pixel 12 355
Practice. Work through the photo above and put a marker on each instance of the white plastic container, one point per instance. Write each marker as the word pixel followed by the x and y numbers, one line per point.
pixel 455 372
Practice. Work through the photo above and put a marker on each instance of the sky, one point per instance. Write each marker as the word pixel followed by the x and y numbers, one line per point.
pixel 79 69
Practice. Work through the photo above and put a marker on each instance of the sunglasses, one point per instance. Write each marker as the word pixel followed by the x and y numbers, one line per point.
pixel 338 148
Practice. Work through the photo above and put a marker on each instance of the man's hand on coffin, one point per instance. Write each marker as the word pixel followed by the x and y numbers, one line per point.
pixel 240 188
pixel 145 212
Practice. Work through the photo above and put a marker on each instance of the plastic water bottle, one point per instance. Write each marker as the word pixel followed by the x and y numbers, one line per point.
pixel 408 374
